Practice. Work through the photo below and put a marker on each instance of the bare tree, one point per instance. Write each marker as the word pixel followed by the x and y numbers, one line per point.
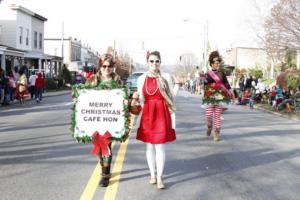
pixel 186 65
pixel 124 63
pixel 282 27
pixel 256 21
pixel 282 31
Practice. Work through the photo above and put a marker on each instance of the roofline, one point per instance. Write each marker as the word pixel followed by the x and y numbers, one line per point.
pixel 40 17
pixel 11 48
pixel 54 39
pixel 27 11
pixel 246 48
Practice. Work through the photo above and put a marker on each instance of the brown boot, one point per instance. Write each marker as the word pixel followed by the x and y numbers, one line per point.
pixel 208 131
pixel 217 135
pixel 101 162
pixel 104 182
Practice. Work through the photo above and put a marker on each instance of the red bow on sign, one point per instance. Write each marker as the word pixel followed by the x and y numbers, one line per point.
pixel 101 143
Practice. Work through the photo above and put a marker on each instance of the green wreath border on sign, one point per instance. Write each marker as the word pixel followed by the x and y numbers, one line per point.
pixel 102 86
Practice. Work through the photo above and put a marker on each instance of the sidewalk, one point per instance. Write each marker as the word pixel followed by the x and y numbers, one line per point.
pixel 266 108
pixel 45 95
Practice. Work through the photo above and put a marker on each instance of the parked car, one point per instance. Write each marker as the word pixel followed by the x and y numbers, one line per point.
pixel 132 81
pixel 79 79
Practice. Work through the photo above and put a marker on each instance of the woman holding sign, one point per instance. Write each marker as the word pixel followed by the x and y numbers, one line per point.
pixel 157 119
pixel 105 74
pixel 216 93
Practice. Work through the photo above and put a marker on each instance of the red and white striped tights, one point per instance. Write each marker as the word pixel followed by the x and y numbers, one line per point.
pixel 216 111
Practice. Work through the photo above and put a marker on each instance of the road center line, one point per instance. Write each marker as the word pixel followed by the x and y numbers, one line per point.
pixel 93 182
pixel 67 104
pixel 112 189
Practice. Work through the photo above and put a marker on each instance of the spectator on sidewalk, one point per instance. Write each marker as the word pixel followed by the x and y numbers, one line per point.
pixel 242 83
pixel 12 86
pixel 248 82
pixel 22 86
pixel 278 96
pixel 32 80
pixel 272 94
pixel 287 101
pixel 260 90
pixel 39 87
pixel 197 80
pixel 245 97
pixel 2 86
pixel 16 73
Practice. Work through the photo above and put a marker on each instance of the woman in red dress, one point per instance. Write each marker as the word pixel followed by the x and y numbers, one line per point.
pixel 157 119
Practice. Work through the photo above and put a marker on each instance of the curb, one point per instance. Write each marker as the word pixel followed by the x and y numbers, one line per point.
pixel 276 113
pixel 49 94
pixel 45 95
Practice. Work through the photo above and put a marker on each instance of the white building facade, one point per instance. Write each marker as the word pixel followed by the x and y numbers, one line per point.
pixel 247 57
pixel 75 55
pixel 23 29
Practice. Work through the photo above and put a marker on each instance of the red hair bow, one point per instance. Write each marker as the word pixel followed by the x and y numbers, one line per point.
pixel 148 55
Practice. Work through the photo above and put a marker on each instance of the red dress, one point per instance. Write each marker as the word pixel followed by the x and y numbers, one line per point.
pixel 156 125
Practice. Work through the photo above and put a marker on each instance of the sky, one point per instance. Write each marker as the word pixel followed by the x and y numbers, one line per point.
pixel 173 27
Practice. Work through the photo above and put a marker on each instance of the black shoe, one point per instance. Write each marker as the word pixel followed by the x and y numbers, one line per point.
pixel 104 182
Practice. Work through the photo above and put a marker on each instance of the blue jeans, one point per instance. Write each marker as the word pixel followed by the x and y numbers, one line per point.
pixel 39 94
pixel 2 94
pixel 251 103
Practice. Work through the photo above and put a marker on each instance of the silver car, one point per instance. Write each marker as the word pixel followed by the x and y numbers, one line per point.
pixel 132 81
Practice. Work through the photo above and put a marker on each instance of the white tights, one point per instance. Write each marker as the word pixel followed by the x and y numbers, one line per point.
pixel 155 153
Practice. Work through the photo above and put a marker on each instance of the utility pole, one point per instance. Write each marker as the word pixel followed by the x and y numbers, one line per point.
pixel 205 45
pixel 62 41
pixel 130 68
pixel 298 59
pixel 204 48
pixel 205 41
pixel 114 49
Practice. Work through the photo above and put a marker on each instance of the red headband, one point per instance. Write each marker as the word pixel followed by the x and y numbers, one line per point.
pixel 100 62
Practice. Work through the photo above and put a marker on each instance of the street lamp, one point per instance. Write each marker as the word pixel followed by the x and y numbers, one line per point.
pixel 205 40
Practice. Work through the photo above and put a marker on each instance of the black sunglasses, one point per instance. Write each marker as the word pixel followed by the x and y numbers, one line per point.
pixel 105 66
pixel 156 61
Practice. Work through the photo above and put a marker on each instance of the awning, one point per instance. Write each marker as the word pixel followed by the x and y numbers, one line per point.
pixel 9 51
pixel 37 55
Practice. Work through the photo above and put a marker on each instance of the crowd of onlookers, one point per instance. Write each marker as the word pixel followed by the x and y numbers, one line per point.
pixel 195 82
pixel 19 85
pixel 253 90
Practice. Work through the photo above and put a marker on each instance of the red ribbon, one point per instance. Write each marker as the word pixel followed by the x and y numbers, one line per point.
pixel 101 143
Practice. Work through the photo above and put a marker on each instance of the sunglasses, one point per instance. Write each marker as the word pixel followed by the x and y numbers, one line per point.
pixel 156 61
pixel 217 63
pixel 106 66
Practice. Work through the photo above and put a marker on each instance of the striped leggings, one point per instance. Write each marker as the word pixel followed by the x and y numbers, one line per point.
pixel 216 110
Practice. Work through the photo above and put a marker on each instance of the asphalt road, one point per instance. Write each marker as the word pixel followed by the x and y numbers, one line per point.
pixel 257 157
